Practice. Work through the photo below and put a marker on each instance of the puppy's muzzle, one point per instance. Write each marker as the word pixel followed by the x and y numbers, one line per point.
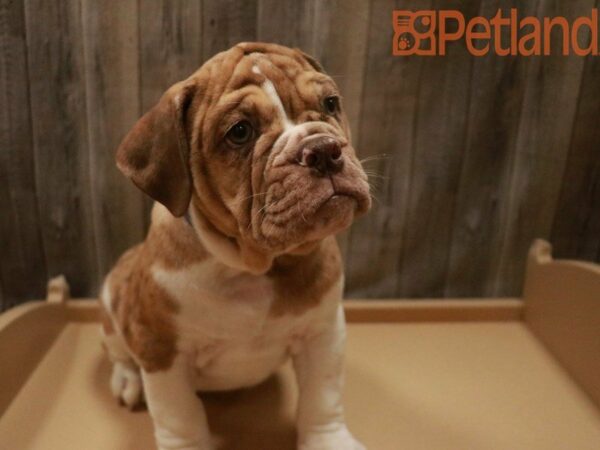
pixel 322 154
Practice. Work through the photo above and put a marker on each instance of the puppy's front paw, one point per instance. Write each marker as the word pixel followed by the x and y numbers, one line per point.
pixel 173 443
pixel 339 439
pixel 126 385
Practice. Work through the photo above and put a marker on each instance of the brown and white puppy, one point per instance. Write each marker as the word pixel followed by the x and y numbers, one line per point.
pixel 250 162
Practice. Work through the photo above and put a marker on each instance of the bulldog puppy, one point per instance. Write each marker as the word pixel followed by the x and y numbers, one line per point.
pixel 251 166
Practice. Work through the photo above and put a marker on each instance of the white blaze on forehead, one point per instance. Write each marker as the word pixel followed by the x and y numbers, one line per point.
pixel 271 92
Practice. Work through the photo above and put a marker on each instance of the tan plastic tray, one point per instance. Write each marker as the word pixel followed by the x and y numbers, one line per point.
pixel 504 374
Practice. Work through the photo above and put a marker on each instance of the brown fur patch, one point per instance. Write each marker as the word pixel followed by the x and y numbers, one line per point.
pixel 145 317
pixel 142 308
pixel 106 322
pixel 301 281
pixel 174 245
pixel 154 153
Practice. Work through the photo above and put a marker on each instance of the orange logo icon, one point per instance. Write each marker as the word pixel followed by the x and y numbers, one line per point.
pixel 414 33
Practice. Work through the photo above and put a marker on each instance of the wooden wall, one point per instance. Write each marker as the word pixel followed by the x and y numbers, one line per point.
pixel 482 155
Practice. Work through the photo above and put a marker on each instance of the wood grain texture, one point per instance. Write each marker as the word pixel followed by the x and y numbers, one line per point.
pixel 58 112
pixel 110 32
pixel 439 140
pixel 22 266
pixel 481 211
pixel 170 45
pixel 576 228
pixel 386 128
pixel 343 53
pixel 291 23
pixel 542 145
pixel 226 23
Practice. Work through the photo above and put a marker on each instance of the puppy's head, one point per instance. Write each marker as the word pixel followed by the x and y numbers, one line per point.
pixel 256 142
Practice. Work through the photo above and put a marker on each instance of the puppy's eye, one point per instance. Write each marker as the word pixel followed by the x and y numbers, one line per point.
pixel 240 133
pixel 331 104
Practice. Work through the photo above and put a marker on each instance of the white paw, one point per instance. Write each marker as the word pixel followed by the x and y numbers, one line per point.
pixel 166 441
pixel 126 384
pixel 339 439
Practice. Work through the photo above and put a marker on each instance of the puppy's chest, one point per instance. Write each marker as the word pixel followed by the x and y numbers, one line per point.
pixel 222 308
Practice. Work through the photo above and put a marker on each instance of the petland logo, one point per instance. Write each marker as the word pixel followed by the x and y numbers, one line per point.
pixel 428 33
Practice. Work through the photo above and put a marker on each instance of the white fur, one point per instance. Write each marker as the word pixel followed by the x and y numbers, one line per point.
pixel 318 367
pixel 105 298
pixel 271 92
pixel 178 415
pixel 224 323
pixel 126 383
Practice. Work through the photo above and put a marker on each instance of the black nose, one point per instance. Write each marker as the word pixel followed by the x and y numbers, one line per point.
pixel 322 154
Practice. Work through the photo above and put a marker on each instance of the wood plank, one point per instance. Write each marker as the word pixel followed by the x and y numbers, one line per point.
pixel 26 334
pixel 576 229
pixel 58 111
pixel 170 45
pixel 428 310
pixel 542 145
pixel 289 23
pixel 429 386
pixel 22 266
pixel 344 50
pixel 226 23
pixel 374 310
pixel 386 127
pixel 113 106
pixel 481 212
pixel 170 49
pixel 562 309
pixel 440 131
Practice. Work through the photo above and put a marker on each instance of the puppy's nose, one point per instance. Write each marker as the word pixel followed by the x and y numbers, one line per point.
pixel 323 154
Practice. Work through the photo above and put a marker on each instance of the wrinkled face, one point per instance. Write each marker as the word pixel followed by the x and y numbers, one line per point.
pixel 256 144
pixel 270 153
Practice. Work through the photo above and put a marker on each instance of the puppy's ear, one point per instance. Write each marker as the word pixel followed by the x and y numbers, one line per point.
pixel 155 153
pixel 312 61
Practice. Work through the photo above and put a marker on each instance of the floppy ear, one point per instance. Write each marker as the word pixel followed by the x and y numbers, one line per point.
pixel 155 153
pixel 312 61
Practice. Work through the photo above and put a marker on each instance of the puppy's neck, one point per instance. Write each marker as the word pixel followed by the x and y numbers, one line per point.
pixel 225 249
pixel 230 251
pixel 203 236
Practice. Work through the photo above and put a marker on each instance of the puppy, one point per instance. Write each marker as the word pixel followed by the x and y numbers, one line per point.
pixel 251 166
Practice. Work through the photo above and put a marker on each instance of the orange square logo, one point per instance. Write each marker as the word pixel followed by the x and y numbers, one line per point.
pixel 414 33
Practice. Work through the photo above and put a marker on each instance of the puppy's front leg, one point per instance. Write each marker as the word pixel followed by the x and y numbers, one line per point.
pixel 178 414
pixel 319 371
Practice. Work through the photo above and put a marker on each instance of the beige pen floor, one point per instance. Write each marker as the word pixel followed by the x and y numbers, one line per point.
pixel 463 386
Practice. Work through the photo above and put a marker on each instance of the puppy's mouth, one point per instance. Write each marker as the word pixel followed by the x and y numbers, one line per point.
pixel 310 213
pixel 336 202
